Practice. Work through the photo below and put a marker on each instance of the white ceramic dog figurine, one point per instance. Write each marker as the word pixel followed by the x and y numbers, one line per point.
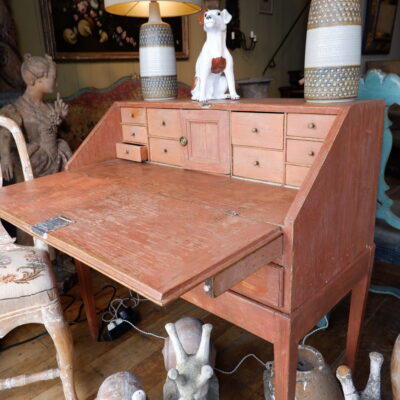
pixel 214 67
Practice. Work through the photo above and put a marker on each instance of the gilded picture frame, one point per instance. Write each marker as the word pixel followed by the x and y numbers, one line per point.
pixel 83 31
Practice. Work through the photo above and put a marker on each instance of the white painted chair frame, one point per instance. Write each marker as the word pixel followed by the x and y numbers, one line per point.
pixel 50 314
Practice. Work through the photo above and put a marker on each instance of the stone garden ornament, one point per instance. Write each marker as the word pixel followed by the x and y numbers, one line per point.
pixel 373 388
pixel 121 386
pixel 214 66
pixel 190 372
pixel 314 378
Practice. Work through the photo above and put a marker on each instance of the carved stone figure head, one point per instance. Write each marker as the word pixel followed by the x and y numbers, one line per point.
pixel 40 72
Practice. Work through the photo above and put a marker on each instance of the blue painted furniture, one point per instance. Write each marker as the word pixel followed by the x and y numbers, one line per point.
pixel 377 84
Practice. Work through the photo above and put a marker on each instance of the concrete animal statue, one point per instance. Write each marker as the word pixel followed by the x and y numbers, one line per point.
pixel 121 386
pixel 373 389
pixel 190 374
pixel 38 120
pixel 214 66
pixel 395 370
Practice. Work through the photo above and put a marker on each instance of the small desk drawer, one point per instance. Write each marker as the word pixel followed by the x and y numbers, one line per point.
pixel 133 115
pixel 295 174
pixel 309 125
pixel 131 152
pixel 302 151
pixel 264 286
pixel 250 162
pixel 164 123
pixel 134 134
pixel 166 151
pixel 257 129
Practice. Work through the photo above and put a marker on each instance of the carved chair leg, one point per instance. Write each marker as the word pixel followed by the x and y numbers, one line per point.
pixel 61 335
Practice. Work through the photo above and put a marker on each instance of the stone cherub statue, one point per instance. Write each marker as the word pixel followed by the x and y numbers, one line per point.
pixel 39 121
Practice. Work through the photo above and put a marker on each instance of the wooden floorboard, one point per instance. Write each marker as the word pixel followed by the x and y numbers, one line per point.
pixel 142 354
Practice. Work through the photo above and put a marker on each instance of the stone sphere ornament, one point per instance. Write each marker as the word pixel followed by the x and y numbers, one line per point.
pixel 121 386
pixel 333 51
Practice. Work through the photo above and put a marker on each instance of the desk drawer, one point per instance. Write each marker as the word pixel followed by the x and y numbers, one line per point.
pixel 166 151
pixel 134 134
pixel 257 129
pixel 133 115
pixel 131 152
pixel 164 123
pixel 264 286
pixel 295 174
pixel 250 162
pixel 302 151
pixel 309 125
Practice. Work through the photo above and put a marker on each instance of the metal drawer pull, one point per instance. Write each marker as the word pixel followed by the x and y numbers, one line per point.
pixel 254 130
pixel 311 153
pixel 183 141
pixel 311 125
pixel 256 163
pixel 163 123
pixel 165 151
pixel 133 134
pixel 132 115
pixel 126 151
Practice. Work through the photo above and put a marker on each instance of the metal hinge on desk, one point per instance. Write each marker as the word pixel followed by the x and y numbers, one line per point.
pixel 42 228
pixel 246 266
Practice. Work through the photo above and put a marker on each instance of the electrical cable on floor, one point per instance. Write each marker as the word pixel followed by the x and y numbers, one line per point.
pixel 316 330
pixel 240 363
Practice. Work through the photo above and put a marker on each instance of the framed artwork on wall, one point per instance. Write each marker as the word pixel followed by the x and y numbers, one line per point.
pixel 82 30
pixel 379 25
pixel 265 6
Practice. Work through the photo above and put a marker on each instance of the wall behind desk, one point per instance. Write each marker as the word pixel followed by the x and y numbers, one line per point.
pixel 270 29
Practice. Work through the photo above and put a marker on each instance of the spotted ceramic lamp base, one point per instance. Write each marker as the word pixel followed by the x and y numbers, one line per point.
pixel 157 62
pixel 333 51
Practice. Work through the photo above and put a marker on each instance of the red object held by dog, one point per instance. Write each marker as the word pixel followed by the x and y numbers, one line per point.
pixel 218 65
pixel 201 16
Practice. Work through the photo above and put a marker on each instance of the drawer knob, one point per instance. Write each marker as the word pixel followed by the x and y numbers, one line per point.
pixel 132 115
pixel 254 130
pixel 165 151
pixel 311 125
pixel 256 163
pixel 133 134
pixel 311 153
pixel 183 141
pixel 126 151
pixel 163 123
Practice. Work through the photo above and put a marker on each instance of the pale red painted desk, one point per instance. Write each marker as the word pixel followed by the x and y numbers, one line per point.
pixel 278 250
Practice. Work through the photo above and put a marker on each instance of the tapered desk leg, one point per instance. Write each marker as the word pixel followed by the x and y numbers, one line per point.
pixel 86 291
pixel 285 365
pixel 359 297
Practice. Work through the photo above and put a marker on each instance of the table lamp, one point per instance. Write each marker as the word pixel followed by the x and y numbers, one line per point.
pixel 156 42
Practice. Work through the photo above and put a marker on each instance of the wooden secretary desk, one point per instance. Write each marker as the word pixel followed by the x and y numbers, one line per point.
pixel 260 211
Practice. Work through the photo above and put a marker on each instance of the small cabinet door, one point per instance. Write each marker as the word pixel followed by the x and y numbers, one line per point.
pixel 205 140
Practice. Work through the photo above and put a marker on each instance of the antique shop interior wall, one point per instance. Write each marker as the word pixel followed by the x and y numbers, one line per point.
pixel 269 29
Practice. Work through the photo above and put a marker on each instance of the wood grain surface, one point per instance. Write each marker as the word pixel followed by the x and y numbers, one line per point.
pixel 159 230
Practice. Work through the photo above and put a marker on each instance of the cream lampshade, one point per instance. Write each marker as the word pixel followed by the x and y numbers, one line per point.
pixel 156 42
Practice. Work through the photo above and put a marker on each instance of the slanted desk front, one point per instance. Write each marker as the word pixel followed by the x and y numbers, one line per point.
pixel 271 202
